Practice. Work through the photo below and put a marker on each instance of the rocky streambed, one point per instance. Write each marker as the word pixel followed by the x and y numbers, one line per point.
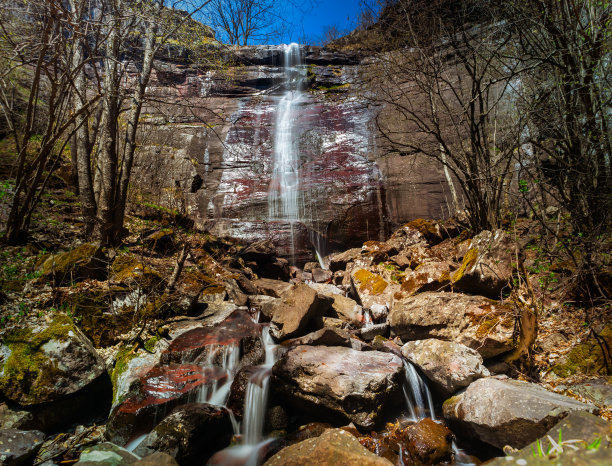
pixel 396 353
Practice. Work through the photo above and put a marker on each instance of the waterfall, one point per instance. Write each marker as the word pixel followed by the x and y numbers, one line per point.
pixel 283 196
pixel 227 357
pixel 417 394
pixel 256 399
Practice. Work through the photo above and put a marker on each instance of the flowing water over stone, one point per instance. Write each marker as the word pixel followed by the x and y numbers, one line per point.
pixel 417 394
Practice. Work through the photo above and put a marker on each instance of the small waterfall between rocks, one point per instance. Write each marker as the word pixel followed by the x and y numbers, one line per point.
pixel 417 395
pixel 256 399
pixel 227 357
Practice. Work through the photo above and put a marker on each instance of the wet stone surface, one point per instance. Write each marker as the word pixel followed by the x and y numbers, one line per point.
pixel 156 394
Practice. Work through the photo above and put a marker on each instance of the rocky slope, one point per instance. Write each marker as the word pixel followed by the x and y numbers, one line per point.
pixel 352 344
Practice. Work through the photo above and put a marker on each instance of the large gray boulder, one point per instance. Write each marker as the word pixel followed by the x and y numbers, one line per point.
pixel 340 383
pixel 474 321
pixel 47 362
pixel 503 412
pixel 19 447
pixel 292 316
pixel 448 366
pixel 191 434
pixel 488 265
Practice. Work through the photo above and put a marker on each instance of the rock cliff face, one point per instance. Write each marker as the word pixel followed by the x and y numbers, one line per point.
pixel 207 149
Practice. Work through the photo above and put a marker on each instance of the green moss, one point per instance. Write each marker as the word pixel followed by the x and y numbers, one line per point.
pixel 128 270
pixel 370 282
pixel 587 357
pixel 335 87
pixel 74 265
pixel 469 260
pixel 151 343
pixel 124 356
pixel 451 401
pixel 28 372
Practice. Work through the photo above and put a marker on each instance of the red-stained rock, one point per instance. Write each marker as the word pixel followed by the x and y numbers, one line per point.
pixel 199 343
pixel 157 393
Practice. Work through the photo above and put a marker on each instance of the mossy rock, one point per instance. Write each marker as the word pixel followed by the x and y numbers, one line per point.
pixel 469 260
pixel 81 263
pixel 93 315
pixel 161 240
pixel 370 282
pixel 47 362
pixel 129 271
pixel 588 357
pixel 427 228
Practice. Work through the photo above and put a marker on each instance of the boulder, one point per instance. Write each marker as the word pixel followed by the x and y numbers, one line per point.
pixel 379 251
pixel 234 293
pixel 581 429
pixel 326 289
pixel 335 447
pixel 200 343
pixel 130 272
pixel 474 321
pixel 340 261
pixel 238 389
pixel 325 337
pixel 431 276
pixel 587 357
pixel 407 236
pixel 132 365
pixel 190 434
pixel 321 276
pixel 83 262
pixel 292 316
pixel 19 447
pixel 160 390
pixel 598 392
pixel 13 417
pixel 260 252
pixel 448 366
pixel 412 257
pixel 340 383
pixel 429 442
pixel 47 362
pixel 501 411
pixel 159 240
pixel 488 265
pixel 371 332
pixel 347 310
pixel 107 454
pixel 274 288
pixel 371 288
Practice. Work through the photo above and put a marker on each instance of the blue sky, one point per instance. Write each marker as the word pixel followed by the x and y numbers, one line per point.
pixel 315 15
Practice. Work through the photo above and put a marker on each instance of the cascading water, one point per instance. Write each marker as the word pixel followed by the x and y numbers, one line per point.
pixel 227 357
pixel 256 399
pixel 255 405
pixel 417 395
pixel 285 197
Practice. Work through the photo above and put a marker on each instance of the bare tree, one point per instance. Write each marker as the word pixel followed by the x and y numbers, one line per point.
pixel 567 100
pixel 331 33
pixel 446 94
pixel 245 21
pixel 37 81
